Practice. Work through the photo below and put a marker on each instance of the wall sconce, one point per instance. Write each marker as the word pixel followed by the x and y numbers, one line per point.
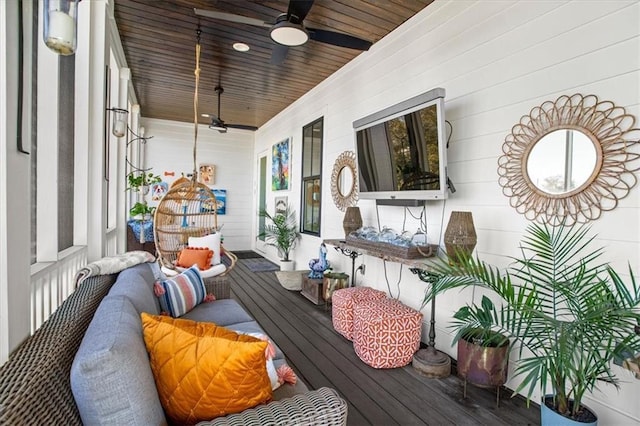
pixel 61 25
pixel 119 126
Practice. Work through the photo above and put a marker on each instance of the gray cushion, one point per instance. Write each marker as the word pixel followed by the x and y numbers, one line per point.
pixel 111 378
pixel 221 312
pixel 136 284
pixel 287 390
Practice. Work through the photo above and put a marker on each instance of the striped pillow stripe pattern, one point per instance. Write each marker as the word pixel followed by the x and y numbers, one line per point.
pixel 182 292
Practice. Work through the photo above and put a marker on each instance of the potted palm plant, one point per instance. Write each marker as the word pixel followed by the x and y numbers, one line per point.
pixel 571 314
pixel 282 233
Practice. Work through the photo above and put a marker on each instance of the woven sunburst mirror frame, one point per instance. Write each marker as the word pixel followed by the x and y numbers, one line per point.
pixel 609 128
pixel 187 210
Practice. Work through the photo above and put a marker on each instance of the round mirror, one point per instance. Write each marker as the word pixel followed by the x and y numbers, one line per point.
pixel 561 161
pixel 344 181
pixel 569 160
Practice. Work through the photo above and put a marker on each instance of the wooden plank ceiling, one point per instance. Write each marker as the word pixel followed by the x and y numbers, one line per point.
pixel 159 40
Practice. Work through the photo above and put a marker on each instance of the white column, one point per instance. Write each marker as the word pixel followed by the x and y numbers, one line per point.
pixel 47 130
pixel 81 209
pixel 98 54
pixel 15 218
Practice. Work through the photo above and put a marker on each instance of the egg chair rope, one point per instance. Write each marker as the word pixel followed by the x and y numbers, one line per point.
pixel 189 207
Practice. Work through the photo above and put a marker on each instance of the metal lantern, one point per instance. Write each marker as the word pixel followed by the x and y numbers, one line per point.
pixel 61 26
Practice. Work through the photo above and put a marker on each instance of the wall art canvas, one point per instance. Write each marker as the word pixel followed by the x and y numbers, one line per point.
pixel 280 165
pixel 207 174
pixel 281 204
pixel 221 200
pixel 158 190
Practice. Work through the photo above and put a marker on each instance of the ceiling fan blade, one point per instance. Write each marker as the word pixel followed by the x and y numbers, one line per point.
pixel 278 54
pixel 339 39
pixel 230 17
pixel 299 9
pixel 242 127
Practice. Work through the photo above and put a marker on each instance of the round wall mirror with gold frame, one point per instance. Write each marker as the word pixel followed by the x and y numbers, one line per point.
pixel 344 181
pixel 569 160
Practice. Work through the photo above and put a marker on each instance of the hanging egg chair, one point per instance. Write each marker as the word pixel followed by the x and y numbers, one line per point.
pixel 188 211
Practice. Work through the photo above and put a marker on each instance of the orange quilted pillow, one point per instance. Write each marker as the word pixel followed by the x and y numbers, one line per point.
pixel 190 256
pixel 199 373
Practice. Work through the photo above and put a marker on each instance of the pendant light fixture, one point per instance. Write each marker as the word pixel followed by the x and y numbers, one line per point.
pixel 61 26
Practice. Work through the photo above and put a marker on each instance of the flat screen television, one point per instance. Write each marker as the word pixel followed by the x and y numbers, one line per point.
pixel 401 150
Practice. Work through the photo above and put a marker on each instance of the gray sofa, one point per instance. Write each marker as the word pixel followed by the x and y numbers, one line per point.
pixel 88 363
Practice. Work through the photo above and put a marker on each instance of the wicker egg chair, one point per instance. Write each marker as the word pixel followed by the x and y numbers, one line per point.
pixel 188 209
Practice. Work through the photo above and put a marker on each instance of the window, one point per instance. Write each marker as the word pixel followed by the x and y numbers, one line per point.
pixel 66 151
pixel 311 176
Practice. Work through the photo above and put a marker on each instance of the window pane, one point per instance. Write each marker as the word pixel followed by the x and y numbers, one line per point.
pixel 311 207
pixel 307 152
pixel 66 151
pixel 33 51
pixel 316 162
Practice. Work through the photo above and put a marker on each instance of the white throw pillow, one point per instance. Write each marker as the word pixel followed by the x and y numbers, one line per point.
pixel 212 241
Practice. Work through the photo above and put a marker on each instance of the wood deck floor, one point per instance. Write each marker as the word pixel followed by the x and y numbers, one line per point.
pixel 322 357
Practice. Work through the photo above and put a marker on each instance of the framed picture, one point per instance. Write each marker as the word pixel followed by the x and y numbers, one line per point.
pixel 281 204
pixel 207 174
pixel 280 165
pixel 221 200
pixel 158 190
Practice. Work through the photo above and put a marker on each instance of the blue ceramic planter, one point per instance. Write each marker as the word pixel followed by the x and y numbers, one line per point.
pixel 548 417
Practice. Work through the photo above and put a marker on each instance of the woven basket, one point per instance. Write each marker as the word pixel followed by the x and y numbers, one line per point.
pixel 411 252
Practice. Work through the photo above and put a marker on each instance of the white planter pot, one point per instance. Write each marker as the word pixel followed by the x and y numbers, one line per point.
pixel 287 265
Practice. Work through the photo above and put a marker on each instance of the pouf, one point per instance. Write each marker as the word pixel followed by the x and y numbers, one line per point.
pixel 342 303
pixel 386 333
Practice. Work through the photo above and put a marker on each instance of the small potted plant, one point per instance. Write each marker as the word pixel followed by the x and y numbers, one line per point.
pixel 283 234
pixel 140 181
pixel 482 351
pixel 141 211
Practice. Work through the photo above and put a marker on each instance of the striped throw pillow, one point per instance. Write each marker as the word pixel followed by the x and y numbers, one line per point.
pixel 181 293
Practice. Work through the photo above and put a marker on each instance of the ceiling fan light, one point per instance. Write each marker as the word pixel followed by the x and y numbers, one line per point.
pixel 289 34
pixel 218 125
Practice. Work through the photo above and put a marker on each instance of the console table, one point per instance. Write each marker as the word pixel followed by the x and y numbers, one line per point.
pixel 429 361
pixel 354 252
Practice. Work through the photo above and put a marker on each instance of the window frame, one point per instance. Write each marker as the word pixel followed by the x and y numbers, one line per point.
pixel 309 178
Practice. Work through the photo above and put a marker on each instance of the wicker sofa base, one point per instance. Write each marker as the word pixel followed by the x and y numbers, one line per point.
pixel 35 383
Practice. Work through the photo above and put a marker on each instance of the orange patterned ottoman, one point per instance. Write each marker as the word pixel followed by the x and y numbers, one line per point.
pixel 343 302
pixel 386 333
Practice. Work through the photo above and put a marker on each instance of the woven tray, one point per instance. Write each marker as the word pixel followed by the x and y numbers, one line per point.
pixel 412 252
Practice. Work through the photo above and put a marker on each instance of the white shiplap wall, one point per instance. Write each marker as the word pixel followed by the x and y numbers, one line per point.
pixel 496 60
pixel 171 150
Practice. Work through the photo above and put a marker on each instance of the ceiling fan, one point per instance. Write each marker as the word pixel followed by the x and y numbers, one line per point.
pixel 289 30
pixel 218 124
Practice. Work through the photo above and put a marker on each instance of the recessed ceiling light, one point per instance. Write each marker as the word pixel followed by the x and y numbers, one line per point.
pixel 241 47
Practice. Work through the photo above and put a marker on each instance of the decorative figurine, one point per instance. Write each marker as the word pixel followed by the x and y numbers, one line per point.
pixel 319 265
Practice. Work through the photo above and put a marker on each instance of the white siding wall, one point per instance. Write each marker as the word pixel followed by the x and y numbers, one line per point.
pixel 171 150
pixel 496 60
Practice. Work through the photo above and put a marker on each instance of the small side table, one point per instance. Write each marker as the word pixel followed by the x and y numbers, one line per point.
pixel 312 290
